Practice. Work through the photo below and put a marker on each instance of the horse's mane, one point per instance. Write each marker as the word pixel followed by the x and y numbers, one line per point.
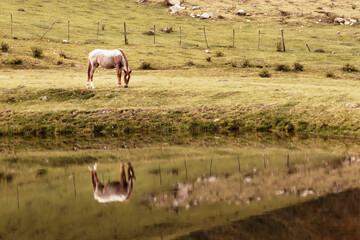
pixel 122 52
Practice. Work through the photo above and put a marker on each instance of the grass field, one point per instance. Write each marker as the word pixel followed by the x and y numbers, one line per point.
pixel 189 91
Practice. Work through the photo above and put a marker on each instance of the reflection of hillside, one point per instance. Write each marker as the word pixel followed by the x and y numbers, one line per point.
pixel 335 216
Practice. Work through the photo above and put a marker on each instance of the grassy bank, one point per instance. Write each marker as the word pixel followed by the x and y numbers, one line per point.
pixel 178 101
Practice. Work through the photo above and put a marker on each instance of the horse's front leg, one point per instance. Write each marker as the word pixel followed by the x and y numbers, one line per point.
pixel 118 74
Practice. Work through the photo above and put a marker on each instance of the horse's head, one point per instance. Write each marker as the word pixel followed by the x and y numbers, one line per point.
pixel 127 78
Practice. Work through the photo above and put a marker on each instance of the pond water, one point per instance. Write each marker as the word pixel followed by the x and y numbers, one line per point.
pixel 182 185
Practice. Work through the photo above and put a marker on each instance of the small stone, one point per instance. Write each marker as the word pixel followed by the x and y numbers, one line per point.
pixel 338 32
pixel 207 51
pixel 195 8
pixel 216 120
pixel 241 12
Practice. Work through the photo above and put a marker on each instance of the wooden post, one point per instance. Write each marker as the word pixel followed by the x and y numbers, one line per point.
pixel 206 38
pixel 264 161
pixel 126 42
pixel 210 166
pixel 18 200
pixel 74 184
pixel 185 170
pixel 259 41
pixel 48 30
pixel 288 161
pixel 160 174
pixel 68 31
pixel 239 163
pixel 154 34
pixel 11 25
pixel 283 40
pixel 97 34
pixel 102 173
pixel 180 36
pixel 233 38
pixel 308 47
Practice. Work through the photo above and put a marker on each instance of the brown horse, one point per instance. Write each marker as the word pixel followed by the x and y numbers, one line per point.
pixel 108 59
pixel 113 191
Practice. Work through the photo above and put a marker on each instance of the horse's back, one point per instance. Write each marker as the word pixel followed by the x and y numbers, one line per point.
pixel 102 52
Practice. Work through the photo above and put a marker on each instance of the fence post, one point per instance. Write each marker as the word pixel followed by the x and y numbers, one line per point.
pixel 210 166
pixel 288 161
pixel 180 36
pixel 18 200
pixel 239 163
pixel 11 25
pixel 74 184
pixel 154 34
pixel 68 31
pixel 126 42
pixel 259 40
pixel 282 36
pixel 48 30
pixel 233 38
pixel 97 35
pixel 206 38
pixel 308 47
pixel 264 161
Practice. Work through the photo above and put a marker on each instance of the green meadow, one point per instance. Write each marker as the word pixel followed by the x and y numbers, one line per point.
pixel 178 88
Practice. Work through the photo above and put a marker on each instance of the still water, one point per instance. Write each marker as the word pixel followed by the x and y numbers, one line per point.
pixel 174 187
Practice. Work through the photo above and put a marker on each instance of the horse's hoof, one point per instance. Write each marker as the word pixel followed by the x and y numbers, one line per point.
pixel 125 86
pixel 95 166
pixel 119 85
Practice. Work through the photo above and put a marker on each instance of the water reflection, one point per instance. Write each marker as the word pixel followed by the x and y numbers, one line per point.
pixel 113 191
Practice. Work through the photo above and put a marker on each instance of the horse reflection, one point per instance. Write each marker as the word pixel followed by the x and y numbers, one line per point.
pixel 113 191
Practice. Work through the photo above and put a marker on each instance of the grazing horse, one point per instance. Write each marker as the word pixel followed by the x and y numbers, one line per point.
pixel 108 59
pixel 113 191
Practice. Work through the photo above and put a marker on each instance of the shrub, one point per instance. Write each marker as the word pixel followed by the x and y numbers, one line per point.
pixel 59 62
pixel 330 75
pixel 219 54
pixel 103 27
pixel 189 63
pixel 282 68
pixel 264 73
pixel 349 68
pixel 234 64
pixel 63 54
pixel 37 52
pixel 298 67
pixel 15 61
pixel 246 63
pixel 278 47
pixel 145 66
pixel 208 59
pixel 4 47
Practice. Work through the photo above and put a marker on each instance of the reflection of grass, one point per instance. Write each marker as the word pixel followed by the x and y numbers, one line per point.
pixel 54 192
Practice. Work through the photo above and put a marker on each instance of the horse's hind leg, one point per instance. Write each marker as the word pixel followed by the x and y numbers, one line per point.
pixel 89 71
pixel 92 71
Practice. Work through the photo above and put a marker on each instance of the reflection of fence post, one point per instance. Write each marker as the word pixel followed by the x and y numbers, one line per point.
pixel 11 25
pixel 288 161
pixel 210 166
pixel 160 174
pixel 264 161
pixel 126 42
pixel 74 184
pixel 282 36
pixel 97 34
pixel 180 36
pixel 205 38
pixel 48 30
pixel 18 200
pixel 185 170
